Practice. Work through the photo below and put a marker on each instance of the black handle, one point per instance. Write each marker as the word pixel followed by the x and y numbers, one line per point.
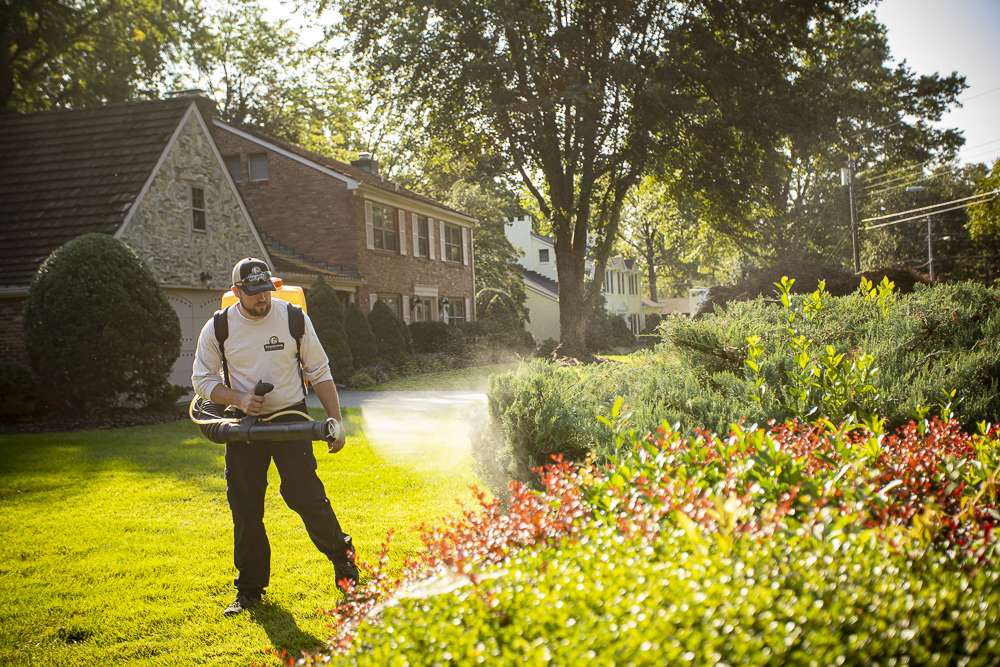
pixel 262 388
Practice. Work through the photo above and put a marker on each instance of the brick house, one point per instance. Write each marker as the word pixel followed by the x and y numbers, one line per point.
pixel 192 195
pixel 369 238
pixel 148 173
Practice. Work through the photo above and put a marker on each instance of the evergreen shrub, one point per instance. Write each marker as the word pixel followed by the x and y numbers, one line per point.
pixel 326 311
pixel 429 337
pixel 364 349
pixel 388 330
pixel 18 390
pixel 898 356
pixel 98 328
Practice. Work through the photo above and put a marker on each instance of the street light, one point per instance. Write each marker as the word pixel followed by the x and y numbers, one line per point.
pixel 930 237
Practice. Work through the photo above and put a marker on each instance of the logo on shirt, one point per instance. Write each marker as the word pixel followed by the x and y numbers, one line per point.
pixel 273 344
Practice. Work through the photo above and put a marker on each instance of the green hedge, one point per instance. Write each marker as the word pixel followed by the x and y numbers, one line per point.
pixel 326 311
pixel 364 349
pixel 923 344
pixel 98 328
pixel 388 330
pixel 692 599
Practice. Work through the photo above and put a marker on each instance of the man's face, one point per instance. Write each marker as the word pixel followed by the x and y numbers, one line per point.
pixel 255 305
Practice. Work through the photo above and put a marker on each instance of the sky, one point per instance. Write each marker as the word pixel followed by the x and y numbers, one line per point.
pixel 941 36
pixel 946 36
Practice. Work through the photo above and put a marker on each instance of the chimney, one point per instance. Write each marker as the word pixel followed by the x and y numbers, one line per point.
pixel 205 104
pixel 367 163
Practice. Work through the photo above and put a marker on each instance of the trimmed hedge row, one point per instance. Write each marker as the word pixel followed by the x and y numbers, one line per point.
pixel 897 356
pixel 800 544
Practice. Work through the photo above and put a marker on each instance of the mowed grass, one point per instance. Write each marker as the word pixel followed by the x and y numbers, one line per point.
pixel 473 378
pixel 116 546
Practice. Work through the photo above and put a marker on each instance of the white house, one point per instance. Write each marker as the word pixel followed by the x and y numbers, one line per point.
pixel 622 282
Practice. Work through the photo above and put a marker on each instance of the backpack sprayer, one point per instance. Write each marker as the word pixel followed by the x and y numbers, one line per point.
pixel 215 425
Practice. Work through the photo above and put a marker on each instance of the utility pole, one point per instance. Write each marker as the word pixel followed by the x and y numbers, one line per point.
pixel 930 248
pixel 847 178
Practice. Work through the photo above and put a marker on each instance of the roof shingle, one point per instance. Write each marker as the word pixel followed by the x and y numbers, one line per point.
pixel 67 173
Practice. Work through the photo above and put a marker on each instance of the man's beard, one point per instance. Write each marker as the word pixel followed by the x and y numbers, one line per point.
pixel 259 310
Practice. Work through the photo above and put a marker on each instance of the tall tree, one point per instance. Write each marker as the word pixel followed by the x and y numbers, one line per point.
pixel 260 73
pixel 674 247
pixel 74 53
pixel 581 95
pixel 847 99
pixel 984 219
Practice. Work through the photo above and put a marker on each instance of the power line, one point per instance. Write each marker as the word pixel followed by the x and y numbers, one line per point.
pixel 923 216
pixel 983 94
pixel 930 206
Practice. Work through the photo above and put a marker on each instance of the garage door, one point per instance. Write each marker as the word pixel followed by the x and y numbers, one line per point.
pixel 193 308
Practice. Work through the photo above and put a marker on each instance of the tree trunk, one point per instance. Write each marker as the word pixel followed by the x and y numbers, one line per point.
pixel 651 266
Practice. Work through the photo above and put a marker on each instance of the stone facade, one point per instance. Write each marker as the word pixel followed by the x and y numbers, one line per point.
pixel 162 231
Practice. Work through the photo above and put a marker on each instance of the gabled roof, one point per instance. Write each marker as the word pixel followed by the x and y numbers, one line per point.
pixel 350 171
pixel 288 260
pixel 67 173
pixel 540 281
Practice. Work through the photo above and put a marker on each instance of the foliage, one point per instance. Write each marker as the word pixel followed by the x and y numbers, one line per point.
pixel 762 545
pixel 984 219
pixel 606 331
pixel 429 336
pixel 546 347
pixel 97 326
pixel 364 348
pixel 924 345
pixel 580 102
pixel 326 310
pixel 59 55
pixel 18 390
pixel 361 380
pixel 386 326
pixel 500 331
pixel 260 73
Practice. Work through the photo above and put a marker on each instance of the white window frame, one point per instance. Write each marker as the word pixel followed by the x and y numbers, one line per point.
pixel 450 247
pixel 390 225
pixel 423 235
pixel 540 251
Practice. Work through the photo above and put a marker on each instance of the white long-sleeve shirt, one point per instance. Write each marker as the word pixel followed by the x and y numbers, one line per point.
pixel 261 349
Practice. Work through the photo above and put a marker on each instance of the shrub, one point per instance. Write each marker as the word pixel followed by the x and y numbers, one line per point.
pixel 783 545
pixel 387 328
pixel 18 390
pixel 327 314
pixel 361 380
pixel 429 336
pixel 546 347
pixel 97 326
pixel 923 346
pixel 364 349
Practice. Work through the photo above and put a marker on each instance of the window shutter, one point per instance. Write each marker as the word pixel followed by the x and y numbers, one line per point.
pixel 441 229
pixel 465 247
pixel 469 316
pixel 369 225
pixel 406 308
pixel 372 300
pixel 431 237
pixel 402 232
pixel 415 228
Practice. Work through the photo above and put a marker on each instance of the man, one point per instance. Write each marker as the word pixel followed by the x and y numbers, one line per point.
pixel 259 346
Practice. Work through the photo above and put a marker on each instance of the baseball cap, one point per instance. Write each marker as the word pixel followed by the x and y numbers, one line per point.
pixel 252 275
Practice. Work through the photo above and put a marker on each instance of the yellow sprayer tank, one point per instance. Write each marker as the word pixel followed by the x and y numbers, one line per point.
pixel 290 293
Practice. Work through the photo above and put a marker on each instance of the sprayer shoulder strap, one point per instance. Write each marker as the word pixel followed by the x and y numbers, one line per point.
pixel 297 327
pixel 221 323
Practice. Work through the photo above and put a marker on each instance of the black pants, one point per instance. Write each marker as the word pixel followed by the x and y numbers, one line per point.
pixel 303 492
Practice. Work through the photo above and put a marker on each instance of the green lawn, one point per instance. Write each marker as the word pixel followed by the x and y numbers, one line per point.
pixel 473 378
pixel 116 545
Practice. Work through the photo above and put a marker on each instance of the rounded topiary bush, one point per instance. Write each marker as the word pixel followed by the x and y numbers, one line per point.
pixel 388 335
pixel 364 349
pixel 327 314
pixel 97 327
